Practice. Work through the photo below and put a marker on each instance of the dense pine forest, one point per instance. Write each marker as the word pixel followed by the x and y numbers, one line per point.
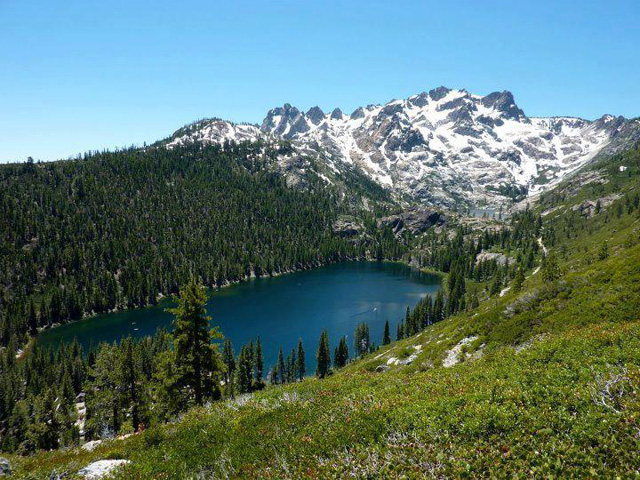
pixel 117 229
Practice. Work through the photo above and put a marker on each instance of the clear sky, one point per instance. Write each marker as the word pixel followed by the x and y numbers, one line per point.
pixel 81 74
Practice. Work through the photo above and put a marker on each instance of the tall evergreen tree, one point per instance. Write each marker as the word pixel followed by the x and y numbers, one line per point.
pixel 341 355
pixel 32 319
pixel 323 355
pixel 301 361
pixel 259 363
pixel 281 369
pixel 386 336
pixel 245 370
pixel 196 356
pixel 550 269
pixel 228 358
pixel 130 386
pixel 438 306
pixel 400 330
pixel 518 280
pixel 362 340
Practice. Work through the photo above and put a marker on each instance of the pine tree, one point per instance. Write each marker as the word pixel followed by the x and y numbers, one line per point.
pixel 408 322
pixel 104 394
pixel 228 358
pixel 400 331
pixel 386 336
pixel 550 269
pixel 32 320
pixel 438 306
pixel 323 356
pixel 496 283
pixel 195 355
pixel 44 432
pixel 130 387
pixel 301 361
pixel 259 363
pixel 362 340
pixel 281 369
pixel 245 370
pixel 518 280
pixel 341 355
pixel 291 366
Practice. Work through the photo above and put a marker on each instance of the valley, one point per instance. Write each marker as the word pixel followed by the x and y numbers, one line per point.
pixel 540 378
pixel 357 319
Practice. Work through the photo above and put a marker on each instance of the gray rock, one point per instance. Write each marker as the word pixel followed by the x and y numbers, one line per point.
pixel 336 114
pixel 589 208
pixel 420 100
pixel 500 258
pixel 416 220
pixel 390 110
pixel 315 114
pixel 439 93
pixel 348 227
pixel 5 466
pixel 505 103
pixel 382 368
pixel 357 113
pixel 489 121
pixel 101 468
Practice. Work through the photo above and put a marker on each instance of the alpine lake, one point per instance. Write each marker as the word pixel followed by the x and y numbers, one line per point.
pixel 281 309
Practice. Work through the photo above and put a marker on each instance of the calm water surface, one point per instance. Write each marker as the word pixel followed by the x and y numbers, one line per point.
pixel 282 309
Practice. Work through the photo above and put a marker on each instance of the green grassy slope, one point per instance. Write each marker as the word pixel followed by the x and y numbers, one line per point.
pixel 548 387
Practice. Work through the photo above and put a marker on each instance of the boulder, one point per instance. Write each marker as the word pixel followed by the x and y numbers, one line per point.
pixel 89 446
pixel 101 468
pixel 500 258
pixel 5 467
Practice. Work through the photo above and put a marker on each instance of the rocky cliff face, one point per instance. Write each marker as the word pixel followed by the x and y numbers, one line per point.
pixel 444 147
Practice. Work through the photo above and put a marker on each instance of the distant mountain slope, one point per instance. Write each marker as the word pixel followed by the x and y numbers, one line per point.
pixel 446 147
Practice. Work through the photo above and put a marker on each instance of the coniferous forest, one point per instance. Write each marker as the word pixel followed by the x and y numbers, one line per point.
pixel 116 230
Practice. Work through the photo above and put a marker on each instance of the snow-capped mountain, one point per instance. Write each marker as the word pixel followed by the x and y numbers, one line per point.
pixel 445 146
pixel 215 131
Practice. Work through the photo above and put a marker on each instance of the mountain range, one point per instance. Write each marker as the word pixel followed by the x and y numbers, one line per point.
pixel 444 147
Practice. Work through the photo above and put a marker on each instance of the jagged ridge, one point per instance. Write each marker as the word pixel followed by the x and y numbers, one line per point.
pixel 446 147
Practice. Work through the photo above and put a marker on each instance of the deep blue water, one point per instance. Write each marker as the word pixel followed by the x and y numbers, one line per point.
pixel 282 309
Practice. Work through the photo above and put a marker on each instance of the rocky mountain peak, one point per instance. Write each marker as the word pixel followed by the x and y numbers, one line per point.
pixel 315 115
pixel 336 114
pixel 439 93
pixel 446 147
pixel 504 102
pixel 285 121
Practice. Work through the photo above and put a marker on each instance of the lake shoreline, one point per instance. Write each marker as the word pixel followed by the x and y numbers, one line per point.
pixel 162 298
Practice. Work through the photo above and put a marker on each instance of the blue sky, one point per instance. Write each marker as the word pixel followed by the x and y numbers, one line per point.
pixel 79 75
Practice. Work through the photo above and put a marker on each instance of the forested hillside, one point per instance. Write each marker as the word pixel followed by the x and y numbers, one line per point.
pixel 117 229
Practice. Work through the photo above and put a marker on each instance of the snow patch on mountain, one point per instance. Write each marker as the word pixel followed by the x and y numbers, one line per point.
pixel 215 131
pixel 450 146
pixel 445 147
